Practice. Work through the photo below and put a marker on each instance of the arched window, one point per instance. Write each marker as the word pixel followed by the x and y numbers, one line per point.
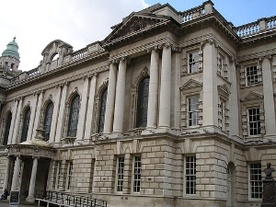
pixel 7 128
pixel 142 103
pixel 102 110
pixel 48 120
pixel 25 127
pixel 74 116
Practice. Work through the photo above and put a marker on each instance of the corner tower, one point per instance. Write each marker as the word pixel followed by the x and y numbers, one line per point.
pixel 10 57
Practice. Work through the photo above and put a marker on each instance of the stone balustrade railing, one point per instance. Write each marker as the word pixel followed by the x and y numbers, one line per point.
pixel 256 27
pixel 79 54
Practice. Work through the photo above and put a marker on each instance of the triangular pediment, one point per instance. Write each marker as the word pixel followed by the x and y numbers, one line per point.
pixel 191 84
pixel 252 96
pixel 224 90
pixel 133 25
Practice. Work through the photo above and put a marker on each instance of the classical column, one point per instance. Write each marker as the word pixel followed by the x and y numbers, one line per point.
pixel 15 177
pixel 14 112
pixel 153 90
pixel 176 92
pixel 165 89
pixel 210 91
pixel 55 115
pixel 269 103
pixel 233 101
pixel 16 127
pixel 60 122
pixel 88 127
pixel 31 196
pixel 110 99
pixel 7 173
pixel 120 98
pixel 83 108
pixel 37 115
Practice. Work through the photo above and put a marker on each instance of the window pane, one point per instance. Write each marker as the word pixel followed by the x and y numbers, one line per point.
pixel 48 121
pixel 74 116
pixel 7 128
pixel 102 110
pixel 193 62
pixel 190 174
pixel 193 109
pixel 137 174
pixel 142 103
pixel 255 180
pixel 25 127
pixel 120 173
pixel 252 75
pixel 254 121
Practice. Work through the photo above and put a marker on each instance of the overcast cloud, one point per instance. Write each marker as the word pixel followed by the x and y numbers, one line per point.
pixel 35 23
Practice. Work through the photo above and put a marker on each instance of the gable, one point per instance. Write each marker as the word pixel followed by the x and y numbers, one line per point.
pixel 191 84
pixel 136 24
pixel 252 96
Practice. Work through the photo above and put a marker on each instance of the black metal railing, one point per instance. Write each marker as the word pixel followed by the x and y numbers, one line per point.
pixel 67 199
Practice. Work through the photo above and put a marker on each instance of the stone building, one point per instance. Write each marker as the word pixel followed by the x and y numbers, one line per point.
pixel 171 109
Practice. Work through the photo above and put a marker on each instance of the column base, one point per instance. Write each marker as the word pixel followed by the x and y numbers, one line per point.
pixel 30 199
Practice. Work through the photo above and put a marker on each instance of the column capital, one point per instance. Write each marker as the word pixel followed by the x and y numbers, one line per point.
pixel 113 61
pixel 210 41
pixel 262 58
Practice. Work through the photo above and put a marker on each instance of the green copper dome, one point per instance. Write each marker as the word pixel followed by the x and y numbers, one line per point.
pixel 12 50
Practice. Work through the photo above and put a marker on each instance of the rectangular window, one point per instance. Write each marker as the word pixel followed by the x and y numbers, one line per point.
pixel 190 174
pixel 255 181
pixel 221 113
pixel 120 173
pixel 69 174
pixel 252 75
pixel 254 121
pixel 137 173
pixel 58 176
pixel 193 61
pixel 193 109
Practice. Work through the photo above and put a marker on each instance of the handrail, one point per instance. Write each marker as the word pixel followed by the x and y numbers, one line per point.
pixel 67 199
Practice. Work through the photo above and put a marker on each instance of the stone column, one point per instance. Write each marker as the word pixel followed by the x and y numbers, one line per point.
pixel 176 91
pixel 55 115
pixel 60 122
pixel 16 127
pixel 233 101
pixel 269 104
pixel 153 90
pixel 7 173
pixel 31 196
pixel 83 109
pixel 165 89
pixel 15 177
pixel 110 99
pixel 37 116
pixel 120 98
pixel 14 112
pixel 88 127
pixel 210 91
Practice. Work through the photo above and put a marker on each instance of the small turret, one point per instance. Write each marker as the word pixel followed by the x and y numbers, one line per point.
pixel 10 57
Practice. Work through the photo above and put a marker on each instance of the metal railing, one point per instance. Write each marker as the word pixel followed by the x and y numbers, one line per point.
pixel 67 199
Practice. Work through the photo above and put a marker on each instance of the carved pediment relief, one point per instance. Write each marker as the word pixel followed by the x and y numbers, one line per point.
pixel 135 24
pixel 191 84
pixel 252 96
pixel 224 90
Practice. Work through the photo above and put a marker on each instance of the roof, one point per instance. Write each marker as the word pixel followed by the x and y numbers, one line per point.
pixel 11 50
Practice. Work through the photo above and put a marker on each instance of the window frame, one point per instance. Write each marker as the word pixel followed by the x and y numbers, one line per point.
pixel 119 181
pixel 48 121
pixel 26 124
pixel 102 110
pixel 185 176
pixel 58 174
pixel 142 98
pixel 69 174
pixel 73 116
pixel 7 128
pixel 193 111
pixel 134 179
pixel 252 79
pixel 258 122
pixel 195 62
pixel 249 181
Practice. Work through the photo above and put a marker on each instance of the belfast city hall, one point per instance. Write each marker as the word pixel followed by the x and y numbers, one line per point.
pixel 171 109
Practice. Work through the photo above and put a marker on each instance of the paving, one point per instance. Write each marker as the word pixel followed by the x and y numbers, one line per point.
pixel 6 204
